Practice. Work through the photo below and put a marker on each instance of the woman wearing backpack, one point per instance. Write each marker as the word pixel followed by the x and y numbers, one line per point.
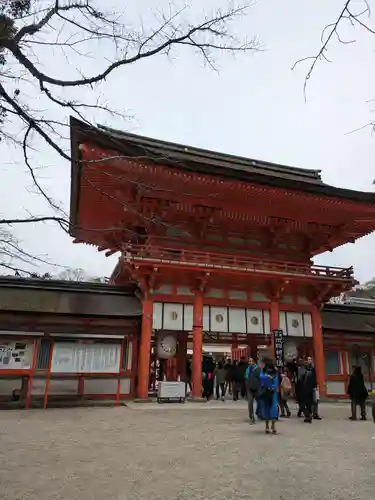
pixel 268 409
pixel 285 393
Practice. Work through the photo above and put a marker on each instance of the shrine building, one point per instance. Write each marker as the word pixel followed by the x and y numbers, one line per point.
pixel 219 248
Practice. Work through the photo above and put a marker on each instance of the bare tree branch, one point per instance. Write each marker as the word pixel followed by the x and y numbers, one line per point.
pixel 332 31
pixel 30 27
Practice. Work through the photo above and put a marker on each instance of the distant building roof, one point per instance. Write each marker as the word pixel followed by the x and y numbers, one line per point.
pixel 352 318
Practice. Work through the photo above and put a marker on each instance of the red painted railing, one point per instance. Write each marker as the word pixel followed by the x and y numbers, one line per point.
pixel 168 257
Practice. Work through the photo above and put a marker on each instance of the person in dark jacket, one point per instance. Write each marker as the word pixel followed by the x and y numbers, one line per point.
pixel 307 391
pixel 236 380
pixel 298 377
pixel 358 393
pixel 228 379
pixel 242 365
pixel 252 381
pixel 315 407
pixel 220 376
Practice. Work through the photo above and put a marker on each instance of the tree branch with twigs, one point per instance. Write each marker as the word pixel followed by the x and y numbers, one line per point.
pixel 30 30
pixel 331 32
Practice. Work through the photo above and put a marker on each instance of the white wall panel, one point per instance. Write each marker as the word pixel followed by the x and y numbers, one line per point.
pixel 125 386
pixel 157 316
pixel 335 388
pixel 219 319
pixel 308 324
pixel 237 320
pixel 100 386
pixel 282 322
pixel 206 318
pixel 172 317
pixel 129 355
pixel 267 323
pixel 188 317
pixel 254 321
pixel 39 385
pixel 57 386
pixel 294 324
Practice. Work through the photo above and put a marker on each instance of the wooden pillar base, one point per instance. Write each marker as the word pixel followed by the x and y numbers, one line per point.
pixel 319 362
pixel 145 348
pixel 197 346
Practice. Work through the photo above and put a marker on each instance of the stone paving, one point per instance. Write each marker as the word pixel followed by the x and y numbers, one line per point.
pixel 192 451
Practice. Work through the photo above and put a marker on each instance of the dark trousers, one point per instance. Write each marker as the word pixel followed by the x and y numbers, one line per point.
pixel 316 409
pixel 228 386
pixel 362 404
pixel 308 409
pixel 373 412
pixel 243 389
pixel 220 388
pixel 284 407
pixel 236 390
pixel 250 404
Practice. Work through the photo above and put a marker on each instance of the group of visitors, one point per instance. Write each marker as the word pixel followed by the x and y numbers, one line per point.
pixel 268 389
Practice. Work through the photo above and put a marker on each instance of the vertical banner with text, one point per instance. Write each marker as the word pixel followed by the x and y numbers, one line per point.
pixel 278 336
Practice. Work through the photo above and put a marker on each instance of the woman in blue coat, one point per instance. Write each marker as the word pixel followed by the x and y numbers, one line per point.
pixel 267 408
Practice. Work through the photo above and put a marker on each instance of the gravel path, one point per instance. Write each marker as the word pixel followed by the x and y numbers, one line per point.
pixel 158 452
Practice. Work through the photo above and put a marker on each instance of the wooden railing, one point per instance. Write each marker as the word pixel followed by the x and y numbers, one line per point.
pixel 208 260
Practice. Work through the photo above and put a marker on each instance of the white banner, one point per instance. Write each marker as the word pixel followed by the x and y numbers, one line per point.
pixel 16 354
pixel 71 357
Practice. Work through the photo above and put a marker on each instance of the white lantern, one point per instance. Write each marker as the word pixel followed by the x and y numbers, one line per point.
pixel 166 346
pixel 290 350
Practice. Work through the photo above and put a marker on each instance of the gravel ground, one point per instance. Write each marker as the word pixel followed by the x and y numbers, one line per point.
pixel 187 451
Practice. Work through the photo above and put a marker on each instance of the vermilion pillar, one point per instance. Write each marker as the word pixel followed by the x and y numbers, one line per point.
pixel 316 321
pixel 145 348
pixel 274 323
pixel 197 345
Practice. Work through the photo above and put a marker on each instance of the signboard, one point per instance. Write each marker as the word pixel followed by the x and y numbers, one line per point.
pixel 278 336
pixel 71 357
pixel 16 354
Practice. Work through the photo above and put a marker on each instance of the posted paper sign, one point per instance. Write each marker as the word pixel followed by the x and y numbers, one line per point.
pixel 16 354
pixel 71 357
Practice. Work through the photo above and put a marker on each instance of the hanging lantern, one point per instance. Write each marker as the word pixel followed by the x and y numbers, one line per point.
pixel 166 346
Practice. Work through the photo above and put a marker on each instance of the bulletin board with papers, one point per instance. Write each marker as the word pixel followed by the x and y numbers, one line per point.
pixel 73 357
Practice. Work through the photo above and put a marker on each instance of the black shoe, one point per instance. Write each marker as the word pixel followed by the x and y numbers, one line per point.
pixel 316 417
pixel 288 415
pixel 308 421
pixel 282 415
pixel 299 414
pixel 364 418
pixel 352 418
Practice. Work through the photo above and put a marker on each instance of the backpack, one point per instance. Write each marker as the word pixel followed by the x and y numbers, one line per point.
pixel 286 385
pixel 253 381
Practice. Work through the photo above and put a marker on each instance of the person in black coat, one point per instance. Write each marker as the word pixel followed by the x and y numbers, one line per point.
pixel 236 380
pixel 307 391
pixel 358 393
pixel 299 369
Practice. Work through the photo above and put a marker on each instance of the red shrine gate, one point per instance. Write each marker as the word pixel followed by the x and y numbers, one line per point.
pixel 220 247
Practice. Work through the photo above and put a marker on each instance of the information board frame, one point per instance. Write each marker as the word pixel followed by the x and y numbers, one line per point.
pixel 79 358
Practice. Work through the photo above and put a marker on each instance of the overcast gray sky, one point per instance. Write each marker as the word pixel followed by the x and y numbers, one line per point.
pixel 254 107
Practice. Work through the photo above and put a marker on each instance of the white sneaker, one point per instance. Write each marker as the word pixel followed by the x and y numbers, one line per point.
pixel 373 437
